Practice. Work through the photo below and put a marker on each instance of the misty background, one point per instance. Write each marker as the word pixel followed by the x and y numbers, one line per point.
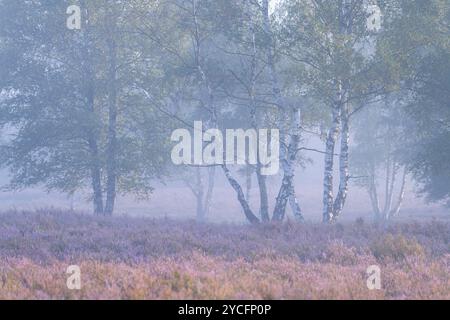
pixel 90 92
pixel 174 199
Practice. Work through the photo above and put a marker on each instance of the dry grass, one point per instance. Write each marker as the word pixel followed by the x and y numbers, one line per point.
pixel 148 259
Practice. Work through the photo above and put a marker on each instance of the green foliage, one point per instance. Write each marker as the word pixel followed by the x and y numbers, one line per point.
pixel 420 36
pixel 54 105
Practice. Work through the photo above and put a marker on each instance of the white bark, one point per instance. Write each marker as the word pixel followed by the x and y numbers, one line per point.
pixel 344 176
pixel 332 136
pixel 289 152
pixel 395 211
pixel 241 197
pixel 212 108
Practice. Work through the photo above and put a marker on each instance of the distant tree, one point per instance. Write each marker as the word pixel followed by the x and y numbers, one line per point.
pixel 376 157
pixel 419 33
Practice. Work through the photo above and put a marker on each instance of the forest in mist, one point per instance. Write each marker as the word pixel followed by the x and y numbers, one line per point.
pixel 91 93
pixel 269 115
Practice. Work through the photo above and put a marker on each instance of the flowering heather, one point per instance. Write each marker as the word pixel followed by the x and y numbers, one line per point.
pixel 137 258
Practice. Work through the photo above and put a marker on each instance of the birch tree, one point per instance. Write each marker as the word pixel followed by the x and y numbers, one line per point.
pixel 425 77
pixel 376 157
pixel 332 42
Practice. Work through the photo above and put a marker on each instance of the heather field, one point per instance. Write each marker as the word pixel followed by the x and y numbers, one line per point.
pixel 141 258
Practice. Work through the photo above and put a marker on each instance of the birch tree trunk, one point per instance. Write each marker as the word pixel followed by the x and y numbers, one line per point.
pixel 261 179
pixel 330 145
pixel 373 194
pixel 343 165
pixel 241 197
pixel 248 182
pixel 395 211
pixel 209 191
pixel 212 108
pixel 199 196
pixel 264 200
pixel 262 186
pixel 386 185
pixel 390 210
pixel 390 195
pixel 287 190
pixel 332 208
pixel 292 156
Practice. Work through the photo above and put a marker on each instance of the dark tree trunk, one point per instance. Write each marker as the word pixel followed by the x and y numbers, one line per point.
pixel 282 198
pixel 111 157
pixel 96 177
pixel 264 200
pixel 92 136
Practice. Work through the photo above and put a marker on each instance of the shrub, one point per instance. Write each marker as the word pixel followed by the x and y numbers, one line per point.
pixel 396 247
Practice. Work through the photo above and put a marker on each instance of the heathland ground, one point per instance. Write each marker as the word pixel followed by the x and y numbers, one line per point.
pixel 143 258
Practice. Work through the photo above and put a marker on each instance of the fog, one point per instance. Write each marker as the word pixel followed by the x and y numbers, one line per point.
pixel 237 112
pixel 174 199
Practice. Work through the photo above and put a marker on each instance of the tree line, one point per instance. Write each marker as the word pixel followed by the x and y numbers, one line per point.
pixel 95 107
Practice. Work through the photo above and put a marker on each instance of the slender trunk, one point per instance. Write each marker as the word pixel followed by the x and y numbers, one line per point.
pixel 271 56
pixel 329 164
pixel 287 189
pixel 96 178
pixel 283 194
pixel 199 196
pixel 391 190
pixel 332 208
pixel 248 182
pixel 241 197
pixel 210 103
pixel 92 136
pixel 292 156
pixel 200 212
pixel 264 200
pixel 209 192
pixel 386 186
pixel 295 206
pixel 344 176
pixel 111 160
pixel 263 197
pixel 372 189
pixel 394 212
pixel 195 184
